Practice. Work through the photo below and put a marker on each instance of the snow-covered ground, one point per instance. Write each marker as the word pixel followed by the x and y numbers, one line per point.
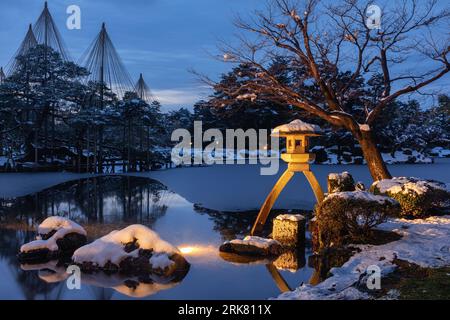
pixel 425 242
pixel 440 152
pixel 241 187
pixel 230 187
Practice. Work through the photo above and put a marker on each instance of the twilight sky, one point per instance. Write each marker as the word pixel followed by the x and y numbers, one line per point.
pixel 161 38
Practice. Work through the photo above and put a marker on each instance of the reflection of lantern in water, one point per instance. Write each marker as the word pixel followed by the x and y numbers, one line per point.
pixel 291 260
pixel 297 134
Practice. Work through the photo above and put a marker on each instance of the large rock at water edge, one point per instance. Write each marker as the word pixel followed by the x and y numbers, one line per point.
pixel 57 237
pixel 135 250
pixel 252 245
pixel 418 198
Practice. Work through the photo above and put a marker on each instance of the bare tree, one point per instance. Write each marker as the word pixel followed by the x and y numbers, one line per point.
pixel 325 40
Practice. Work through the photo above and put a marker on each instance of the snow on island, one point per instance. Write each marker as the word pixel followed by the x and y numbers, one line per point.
pixel 425 242
pixel 50 231
pixel 252 245
pixel 297 126
pixel 406 156
pixel 259 242
pixel 440 152
pixel 136 246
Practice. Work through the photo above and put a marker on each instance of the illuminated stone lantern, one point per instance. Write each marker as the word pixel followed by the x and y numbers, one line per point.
pixel 297 134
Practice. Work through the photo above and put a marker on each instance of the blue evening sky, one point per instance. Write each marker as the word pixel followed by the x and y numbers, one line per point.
pixel 163 39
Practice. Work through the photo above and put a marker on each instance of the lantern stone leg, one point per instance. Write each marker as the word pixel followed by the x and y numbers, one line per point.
pixel 317 189
pixel 270 200
pixel 279 186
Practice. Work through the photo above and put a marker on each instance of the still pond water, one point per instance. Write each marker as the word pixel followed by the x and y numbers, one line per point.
pixel 108 203
pixel 104 204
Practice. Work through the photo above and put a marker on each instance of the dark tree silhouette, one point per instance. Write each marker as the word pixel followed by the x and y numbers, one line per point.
pixel 324 39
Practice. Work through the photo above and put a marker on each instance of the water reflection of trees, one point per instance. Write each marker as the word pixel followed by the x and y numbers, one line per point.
pixel 31 287
pixel 100 203
pixel 110 199
pixel 232 225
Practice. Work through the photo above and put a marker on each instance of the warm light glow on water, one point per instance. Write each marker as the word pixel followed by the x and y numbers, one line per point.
pixel 186 250
pixel 197 250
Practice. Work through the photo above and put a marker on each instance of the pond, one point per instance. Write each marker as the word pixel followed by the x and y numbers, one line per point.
pixel 103 204
pixel 177 204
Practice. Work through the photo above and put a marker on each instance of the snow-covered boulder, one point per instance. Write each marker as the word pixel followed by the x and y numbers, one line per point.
pixel 418 198
pixel 339 182
pixel 57 237
pixel 134 250
pixel 252 245
pixel 350 216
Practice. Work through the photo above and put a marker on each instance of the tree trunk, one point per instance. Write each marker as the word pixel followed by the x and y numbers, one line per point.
pixel 372 155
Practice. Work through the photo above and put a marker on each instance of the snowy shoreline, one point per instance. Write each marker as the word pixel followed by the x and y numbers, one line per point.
pixel 424 242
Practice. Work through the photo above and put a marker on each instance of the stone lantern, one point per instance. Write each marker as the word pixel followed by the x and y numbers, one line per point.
pixel 297 134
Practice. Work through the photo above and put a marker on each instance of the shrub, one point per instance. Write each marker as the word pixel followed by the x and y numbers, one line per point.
pixel 417 198
pixel 345 217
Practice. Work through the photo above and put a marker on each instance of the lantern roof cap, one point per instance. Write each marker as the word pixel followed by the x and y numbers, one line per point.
pixel 297 127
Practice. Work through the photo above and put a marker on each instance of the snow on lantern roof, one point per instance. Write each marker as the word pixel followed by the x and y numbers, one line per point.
pixel 297 126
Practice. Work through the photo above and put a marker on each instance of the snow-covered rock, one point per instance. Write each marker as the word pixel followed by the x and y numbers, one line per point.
pixel 338 182
pixel 252 245
pixel 416 197
pixel 57 236
pixel 135 249
pixel 424 242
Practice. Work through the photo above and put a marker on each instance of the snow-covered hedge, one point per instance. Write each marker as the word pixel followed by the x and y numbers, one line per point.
pixel 349 216
pixel 416 197
pixel 133 250
pixel 57 236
